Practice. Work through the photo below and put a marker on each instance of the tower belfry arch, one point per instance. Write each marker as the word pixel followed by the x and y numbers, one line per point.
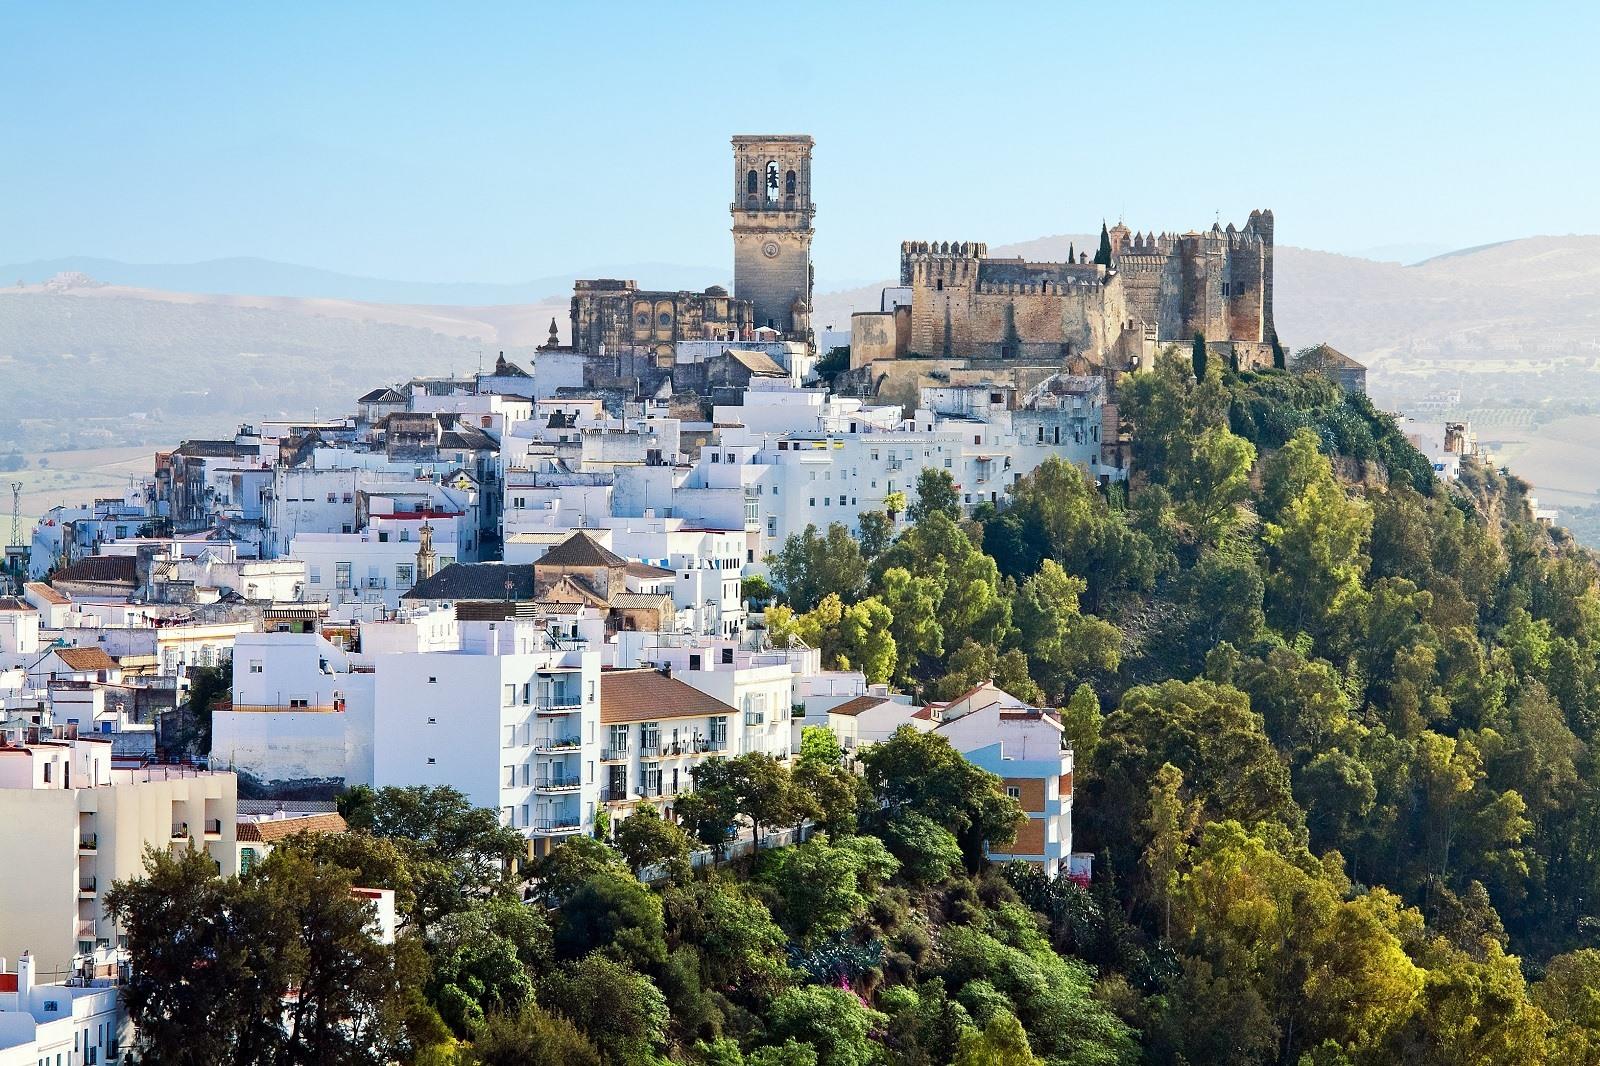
pixel 772 230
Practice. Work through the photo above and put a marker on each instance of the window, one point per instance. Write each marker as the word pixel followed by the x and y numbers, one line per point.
pixel 433 680
pixel 402 574
pixel 255 666
pixel 314 573
pixel 1014 792
pixel 510 740
pixel 789 184
pixel 727 656
pixel 508 776
pixel 650 778
pixel 341 575
pixel 294 703
pixel 432 760
pixel 333 497
pixel 694 662
pixel 719 733
pixel 649 735
pixel 510 696
pixel 617 739
pixel 247 859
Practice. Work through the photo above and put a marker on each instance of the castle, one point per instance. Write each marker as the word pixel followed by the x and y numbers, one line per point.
pixel 1141 291
pixel 955 301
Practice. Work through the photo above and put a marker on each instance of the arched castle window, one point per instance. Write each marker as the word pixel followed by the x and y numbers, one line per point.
pixel 789 184
pixel 752 183
pixel 772 180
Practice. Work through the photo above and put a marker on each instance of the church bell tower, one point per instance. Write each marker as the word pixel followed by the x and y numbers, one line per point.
pixel 772 213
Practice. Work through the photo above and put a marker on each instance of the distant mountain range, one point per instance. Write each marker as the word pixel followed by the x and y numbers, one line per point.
pixel 174 341
pixel 266 277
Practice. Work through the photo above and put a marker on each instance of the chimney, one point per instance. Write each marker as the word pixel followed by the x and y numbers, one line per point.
pixel 666 669
pixel 25 981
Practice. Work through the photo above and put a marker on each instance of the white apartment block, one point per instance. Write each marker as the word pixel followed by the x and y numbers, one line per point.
pixel 511 723
pixel 1023 746
pixel 75 824
pixel 302 710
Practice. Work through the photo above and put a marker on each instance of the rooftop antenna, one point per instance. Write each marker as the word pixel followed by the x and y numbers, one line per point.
pixel 16 513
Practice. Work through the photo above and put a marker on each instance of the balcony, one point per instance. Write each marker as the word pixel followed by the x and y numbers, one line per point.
pixel 614 754
pixel 614 794
pixel 560 825
pixel 213 827
pixel 86 930
pixel 572 743
pixel 88 844
pixel 560 703
pixel 180 831
pixel 86 886
pixel 558 783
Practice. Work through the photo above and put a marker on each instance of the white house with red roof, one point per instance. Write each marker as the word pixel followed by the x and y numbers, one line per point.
pixel 1023 745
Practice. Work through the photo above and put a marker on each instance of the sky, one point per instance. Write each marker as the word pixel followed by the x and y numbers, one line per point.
pixel 503 142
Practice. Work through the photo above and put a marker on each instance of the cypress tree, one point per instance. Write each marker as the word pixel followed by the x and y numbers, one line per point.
pixel 1199 357
pixel 1103 256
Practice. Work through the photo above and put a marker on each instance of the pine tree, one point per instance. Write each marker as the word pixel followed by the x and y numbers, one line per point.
pixel 1199 356
pixel 1103 256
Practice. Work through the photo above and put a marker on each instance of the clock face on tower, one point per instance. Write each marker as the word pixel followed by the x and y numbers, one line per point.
pixel 770 249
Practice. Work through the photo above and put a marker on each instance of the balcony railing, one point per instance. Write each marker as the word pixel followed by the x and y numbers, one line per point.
pixel 558 782
pixel 560 704
pixel 573 743
pixel 86 930
pixel 613 754
pixel 614 794
pixel 86 886
pixel 566 824
pixel 89 842
pixel 180 832
pixel 213 827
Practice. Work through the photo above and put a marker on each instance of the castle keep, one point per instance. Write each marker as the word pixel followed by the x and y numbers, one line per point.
pixel 1156 289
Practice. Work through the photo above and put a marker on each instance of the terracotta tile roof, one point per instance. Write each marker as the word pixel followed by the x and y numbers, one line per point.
pixel 475 581
pixel 272 830
pixel 11 603
pixel 114 569
pixel 851 708
pixel 645 570
pixel 633 601
pixel 758 363
pixel 46 593
pixel 580 549
pixel 646 694
pixel 86 658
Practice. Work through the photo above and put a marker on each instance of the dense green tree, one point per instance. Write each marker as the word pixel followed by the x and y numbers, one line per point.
pixel 833 1021
pixel 971 602
pixel 619 1010
pixel 812 566
pixel 645 839
pixel 936 494
pixel 1063 645
pixel 921 772
pixel 530 1037
pixel 823 886
pixel 1057 513
pixel 877 532
pixel 614 915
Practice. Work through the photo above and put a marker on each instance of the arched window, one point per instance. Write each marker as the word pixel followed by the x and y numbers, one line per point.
pixel 752 183
pixel 789 184
pixel 772 180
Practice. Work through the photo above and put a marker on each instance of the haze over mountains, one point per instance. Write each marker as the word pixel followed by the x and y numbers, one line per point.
pixel 178 344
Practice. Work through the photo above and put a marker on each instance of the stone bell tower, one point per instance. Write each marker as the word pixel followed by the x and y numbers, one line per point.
pixel 772 213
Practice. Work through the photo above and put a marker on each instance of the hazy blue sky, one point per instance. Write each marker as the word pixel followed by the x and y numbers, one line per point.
pixel 483 142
